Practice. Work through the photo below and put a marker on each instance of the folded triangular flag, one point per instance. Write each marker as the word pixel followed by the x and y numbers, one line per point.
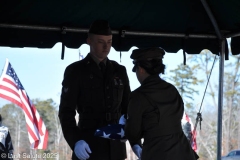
pixel 112 131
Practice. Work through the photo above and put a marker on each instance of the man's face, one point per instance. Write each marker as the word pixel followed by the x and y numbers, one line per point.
pixel 100 45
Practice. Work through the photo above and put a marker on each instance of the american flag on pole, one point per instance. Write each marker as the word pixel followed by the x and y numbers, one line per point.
pixel 192 133
pixel 112 131
pixel 11 89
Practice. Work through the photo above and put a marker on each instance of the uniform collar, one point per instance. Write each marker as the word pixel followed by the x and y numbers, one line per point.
pixel 96 60
pixel 150 78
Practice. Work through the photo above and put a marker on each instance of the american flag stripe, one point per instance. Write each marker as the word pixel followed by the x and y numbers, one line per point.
pixel 8 97
pixel 194 133
pixel 32 134
pixel 28 119
pixel 26 112
pixel 32 122
pixel 11 89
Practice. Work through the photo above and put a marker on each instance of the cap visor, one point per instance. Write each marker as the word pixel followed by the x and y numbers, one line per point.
pixel 134 68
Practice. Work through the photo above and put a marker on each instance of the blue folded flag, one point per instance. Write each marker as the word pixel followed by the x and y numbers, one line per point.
pixel 112 131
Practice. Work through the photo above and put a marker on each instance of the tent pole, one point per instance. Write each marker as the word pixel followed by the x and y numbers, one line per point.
pixel 220 100
pixel 176 35
pixel 233 34
pixel 221 77
pixel 212 18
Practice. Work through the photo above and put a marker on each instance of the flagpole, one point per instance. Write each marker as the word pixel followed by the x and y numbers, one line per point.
pixel 79 54
pixel 3 70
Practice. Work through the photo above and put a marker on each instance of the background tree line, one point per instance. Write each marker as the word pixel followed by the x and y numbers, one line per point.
pixel 13 118
pixel 189 79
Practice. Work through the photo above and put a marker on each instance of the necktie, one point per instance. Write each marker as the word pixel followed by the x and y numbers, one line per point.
pixel 103 67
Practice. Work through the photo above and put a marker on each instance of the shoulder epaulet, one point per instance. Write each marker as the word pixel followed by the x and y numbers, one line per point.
pixel 114 62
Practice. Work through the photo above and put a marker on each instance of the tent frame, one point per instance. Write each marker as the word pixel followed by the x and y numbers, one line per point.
pixel 65 29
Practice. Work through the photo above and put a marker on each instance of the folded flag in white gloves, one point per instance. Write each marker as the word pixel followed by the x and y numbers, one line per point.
pixel 112 131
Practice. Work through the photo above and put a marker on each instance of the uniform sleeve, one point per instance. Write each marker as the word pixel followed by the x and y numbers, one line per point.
pixel 126 92
pixel 125 102
pixel 67 108
pixel 133 127
pixel 8 143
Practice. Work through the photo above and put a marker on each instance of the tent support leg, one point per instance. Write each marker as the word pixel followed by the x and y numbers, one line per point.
pixel 221 77
pixel 212 18
pixel 220 100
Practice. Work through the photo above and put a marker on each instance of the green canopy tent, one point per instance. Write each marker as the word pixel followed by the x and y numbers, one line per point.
pixel 191 25
pixel 171 24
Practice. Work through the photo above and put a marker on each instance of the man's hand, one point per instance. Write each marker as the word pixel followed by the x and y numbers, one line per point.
pixel 137 150
pixel 82 150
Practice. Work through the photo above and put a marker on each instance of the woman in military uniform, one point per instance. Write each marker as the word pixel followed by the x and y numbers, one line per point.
pixel 155 111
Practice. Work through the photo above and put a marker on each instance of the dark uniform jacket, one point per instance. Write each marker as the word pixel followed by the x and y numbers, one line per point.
pixel 154 113
pixel 99 100
pixel 6 147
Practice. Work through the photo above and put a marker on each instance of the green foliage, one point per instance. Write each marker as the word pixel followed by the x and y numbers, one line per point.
pixel 185 78
pixel 14 119
pixel 10 115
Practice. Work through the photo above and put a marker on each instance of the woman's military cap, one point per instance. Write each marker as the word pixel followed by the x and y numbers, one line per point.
pixel 143 56
pixel 100 27
pixel 147 53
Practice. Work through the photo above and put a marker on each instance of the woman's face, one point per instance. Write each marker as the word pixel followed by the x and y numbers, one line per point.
pixel 139 74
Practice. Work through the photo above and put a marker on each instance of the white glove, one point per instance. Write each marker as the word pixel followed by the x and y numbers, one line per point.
pixel 122 120
pixel 82 149
pixel 137 150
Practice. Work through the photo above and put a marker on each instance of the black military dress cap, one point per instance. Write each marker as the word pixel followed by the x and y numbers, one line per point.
pixel 147 53
pixel 100 27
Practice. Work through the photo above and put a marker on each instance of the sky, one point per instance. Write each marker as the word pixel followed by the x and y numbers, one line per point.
pixel 41 70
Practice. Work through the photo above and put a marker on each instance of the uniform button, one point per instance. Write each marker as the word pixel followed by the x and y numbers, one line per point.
pixel 108 96
pixel 107 87
pixel 109 106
